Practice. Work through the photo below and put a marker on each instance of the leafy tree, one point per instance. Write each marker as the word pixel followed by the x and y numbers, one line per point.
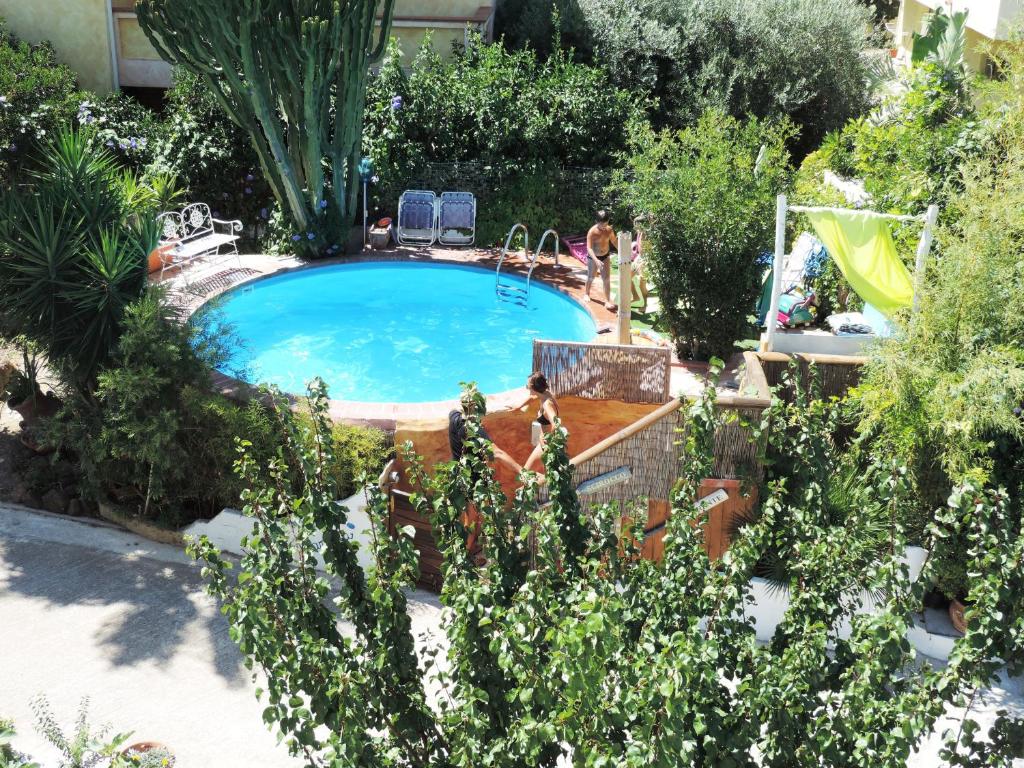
pixel 709 192
pixel 564 648
pixel 292 74
pixel 798 59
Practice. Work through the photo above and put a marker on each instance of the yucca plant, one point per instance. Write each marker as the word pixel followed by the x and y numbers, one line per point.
pixel 72 255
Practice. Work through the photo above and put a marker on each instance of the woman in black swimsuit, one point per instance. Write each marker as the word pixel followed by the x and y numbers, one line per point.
pixel 547 412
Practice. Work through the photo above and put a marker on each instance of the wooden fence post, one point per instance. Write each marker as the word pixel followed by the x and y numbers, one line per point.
pixel 625 285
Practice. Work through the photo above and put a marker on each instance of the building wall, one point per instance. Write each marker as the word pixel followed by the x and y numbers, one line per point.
pixel 138 63
pixel 410 38
pixel 78 29
pixel 988 22
pixel 463 8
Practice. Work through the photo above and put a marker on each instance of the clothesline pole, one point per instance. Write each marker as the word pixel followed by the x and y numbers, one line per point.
pixel 924 247
pixel 771 320
pixel 623 315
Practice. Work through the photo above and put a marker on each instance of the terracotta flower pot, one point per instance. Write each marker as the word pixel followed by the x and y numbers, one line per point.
pixel 160 256
pixel 956 615
pixel 31 409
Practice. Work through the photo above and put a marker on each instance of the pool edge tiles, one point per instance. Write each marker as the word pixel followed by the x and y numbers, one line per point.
pixel 364 325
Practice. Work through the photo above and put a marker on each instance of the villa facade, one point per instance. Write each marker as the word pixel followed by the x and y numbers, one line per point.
pixel 102 41
pixel 989 23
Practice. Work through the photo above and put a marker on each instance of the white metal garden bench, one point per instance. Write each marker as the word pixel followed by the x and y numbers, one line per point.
pixel 195 236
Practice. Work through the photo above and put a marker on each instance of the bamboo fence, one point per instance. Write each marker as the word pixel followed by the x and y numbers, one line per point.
pixel 605 371
pixel 835 374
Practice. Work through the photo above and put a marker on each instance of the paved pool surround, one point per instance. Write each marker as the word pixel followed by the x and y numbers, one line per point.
pixel 568 278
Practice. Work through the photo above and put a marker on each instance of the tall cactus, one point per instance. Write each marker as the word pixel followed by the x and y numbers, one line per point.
pixel 292 74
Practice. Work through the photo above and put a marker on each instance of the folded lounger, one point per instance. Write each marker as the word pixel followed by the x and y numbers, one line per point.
pixel 456 218
pixel 577 247
pixel 417 217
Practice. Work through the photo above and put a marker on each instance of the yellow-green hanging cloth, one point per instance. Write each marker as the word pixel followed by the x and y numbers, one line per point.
pixel 861 244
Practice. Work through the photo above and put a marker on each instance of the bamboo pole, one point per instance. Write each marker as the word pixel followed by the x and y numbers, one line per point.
pixel 625 285
pixel 924 247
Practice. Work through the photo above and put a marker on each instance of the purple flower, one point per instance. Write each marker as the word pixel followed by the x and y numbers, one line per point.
pixel 296 238
pixel 248 190
pixel 13 148
pixel 396 103
pixel 142 143
pixel 323 204
pixel 264 214
pixel 110 143
pixel 310 236
pixel 134 144
pixel 215 214
pixel 250 177
pixel 123 145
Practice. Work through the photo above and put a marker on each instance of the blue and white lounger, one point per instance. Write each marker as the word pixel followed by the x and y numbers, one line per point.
pixel 417 217
pixel 456 218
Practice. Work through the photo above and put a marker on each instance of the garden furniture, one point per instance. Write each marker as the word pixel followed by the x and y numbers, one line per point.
pixel 417 217
pixel 456 218
pixel 195 236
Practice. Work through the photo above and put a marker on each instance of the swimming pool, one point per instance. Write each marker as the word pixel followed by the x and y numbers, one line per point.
pixel 394 332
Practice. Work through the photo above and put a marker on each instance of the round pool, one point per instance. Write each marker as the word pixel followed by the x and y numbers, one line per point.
pixel 394 332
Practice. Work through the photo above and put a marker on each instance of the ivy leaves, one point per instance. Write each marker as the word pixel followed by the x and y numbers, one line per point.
pixel 563 647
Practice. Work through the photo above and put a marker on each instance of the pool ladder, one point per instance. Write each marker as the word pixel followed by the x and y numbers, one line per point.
pixel 506 290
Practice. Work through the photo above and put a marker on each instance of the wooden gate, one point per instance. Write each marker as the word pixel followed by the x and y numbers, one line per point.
pixel 402 513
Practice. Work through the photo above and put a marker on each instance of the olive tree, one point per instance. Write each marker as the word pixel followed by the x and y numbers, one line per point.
pixel 292 74
pixel 565 648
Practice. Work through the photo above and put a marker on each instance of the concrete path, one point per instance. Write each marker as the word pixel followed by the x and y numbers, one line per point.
pixel 87 609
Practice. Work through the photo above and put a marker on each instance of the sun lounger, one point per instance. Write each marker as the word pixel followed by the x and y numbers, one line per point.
pixel 417 218
pixel 456 218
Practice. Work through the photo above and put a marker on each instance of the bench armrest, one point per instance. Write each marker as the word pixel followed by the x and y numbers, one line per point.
pixel 233 226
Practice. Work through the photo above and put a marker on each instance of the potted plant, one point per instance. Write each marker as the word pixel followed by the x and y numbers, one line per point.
pixel 22 389
pixel 146 754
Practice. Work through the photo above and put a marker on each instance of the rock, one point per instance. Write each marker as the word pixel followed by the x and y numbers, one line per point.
pixel 76 508
pixel 55 500
pixel 32 500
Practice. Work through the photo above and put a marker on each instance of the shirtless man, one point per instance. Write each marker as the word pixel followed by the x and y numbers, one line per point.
pixel 601 240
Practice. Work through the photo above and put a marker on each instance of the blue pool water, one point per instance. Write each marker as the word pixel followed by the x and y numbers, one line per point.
pixel 394 332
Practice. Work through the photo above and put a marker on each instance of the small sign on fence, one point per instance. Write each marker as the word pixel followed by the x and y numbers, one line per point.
pixel 607 480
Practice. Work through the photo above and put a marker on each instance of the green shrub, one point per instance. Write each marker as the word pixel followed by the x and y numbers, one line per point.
pixel 37 96
pixel 73 255
pixel 711 207
pixel 157 439
pixel 125 127
pixel 564 648
pixel 518 121
pixel 944 396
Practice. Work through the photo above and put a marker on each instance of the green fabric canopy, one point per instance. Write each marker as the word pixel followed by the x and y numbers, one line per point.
pixel 861 245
